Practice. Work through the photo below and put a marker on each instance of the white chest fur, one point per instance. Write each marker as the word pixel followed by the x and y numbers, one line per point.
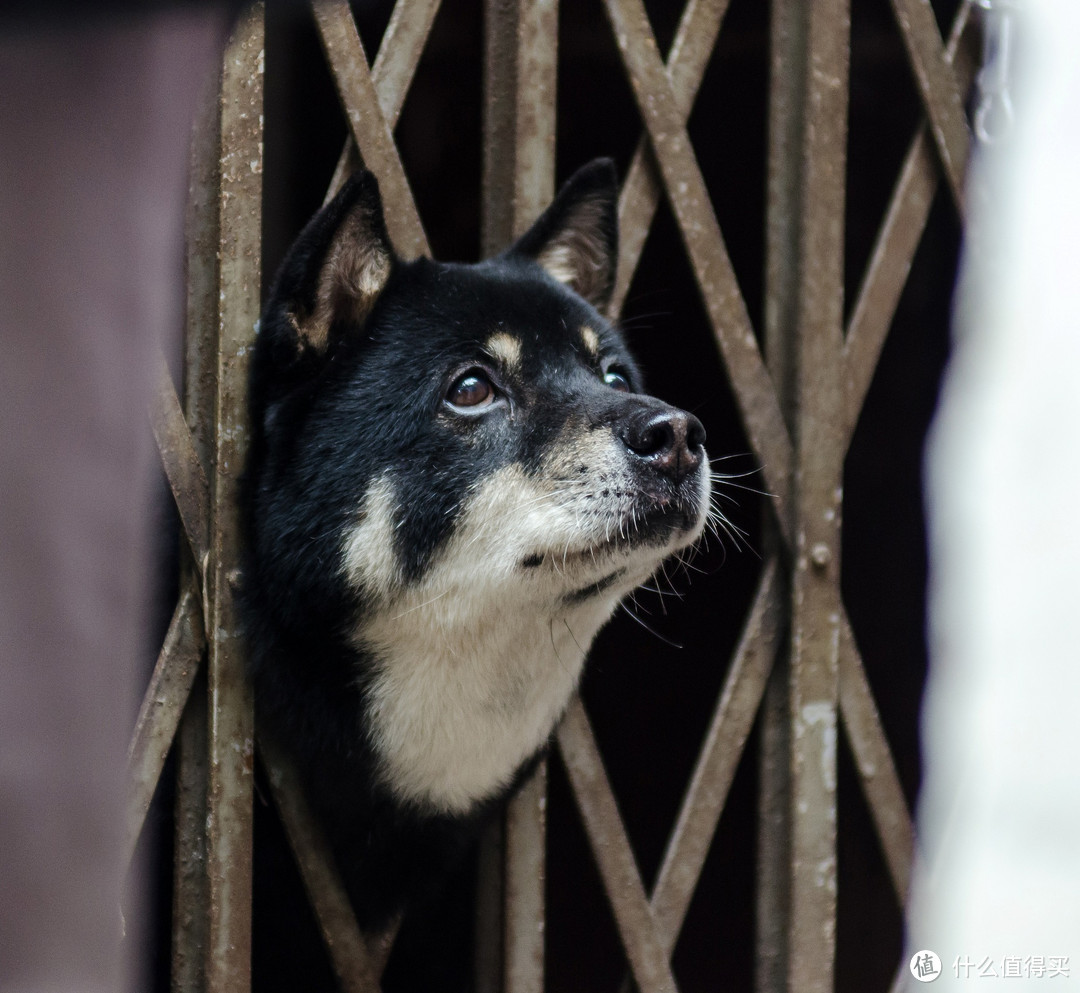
pixel 463 696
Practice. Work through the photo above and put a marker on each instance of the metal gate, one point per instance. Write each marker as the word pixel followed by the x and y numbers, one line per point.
pixel 798 385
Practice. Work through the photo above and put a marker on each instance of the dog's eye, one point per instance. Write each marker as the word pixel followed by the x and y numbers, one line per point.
pixel 617 380
pixel 472 389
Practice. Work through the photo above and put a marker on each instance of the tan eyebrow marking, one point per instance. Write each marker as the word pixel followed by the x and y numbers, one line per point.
pixel 592 341
pixel 506 348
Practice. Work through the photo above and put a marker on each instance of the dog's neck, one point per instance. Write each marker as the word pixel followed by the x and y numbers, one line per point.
pixel 469 685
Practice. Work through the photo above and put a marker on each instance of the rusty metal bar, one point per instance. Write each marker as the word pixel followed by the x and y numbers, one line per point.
pixel 189 921
pixel 399 54
pixel 786 71
pixel 395 65
pixel 821 442
pixel 370 129
pixel 200 338
pixel 695 39
pixel 772 905
pixel 704 243
pixel 190 885
pixel 875 765
pixel 890 262
pixel 638 931
pixel 231 723
pixel 350 954
pixel 178 662
pixel 161 710
pixel 941 96
pixel 379 946
pixel 488 917
pixel 520 46
pixel 183 468
pixel 524 903
pixel 534 111
pixel 497 225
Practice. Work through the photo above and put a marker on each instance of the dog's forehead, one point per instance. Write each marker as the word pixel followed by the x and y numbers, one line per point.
pixel 511 313
pixel 525 349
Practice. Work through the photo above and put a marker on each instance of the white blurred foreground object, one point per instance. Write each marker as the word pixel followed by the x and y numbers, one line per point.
pixel 997 893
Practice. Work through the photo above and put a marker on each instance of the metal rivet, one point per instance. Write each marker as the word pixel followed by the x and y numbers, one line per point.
pixel 820 555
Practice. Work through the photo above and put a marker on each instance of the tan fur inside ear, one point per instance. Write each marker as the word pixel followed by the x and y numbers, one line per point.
pixel 352 277
pixel 578 255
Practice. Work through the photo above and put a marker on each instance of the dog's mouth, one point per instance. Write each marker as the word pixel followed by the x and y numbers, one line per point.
pixel 662 526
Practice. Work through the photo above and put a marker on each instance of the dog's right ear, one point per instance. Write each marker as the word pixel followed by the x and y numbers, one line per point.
pixel 333 274
pixel 576 239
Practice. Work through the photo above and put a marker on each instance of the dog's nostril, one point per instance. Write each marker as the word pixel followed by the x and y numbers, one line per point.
pixel 653 437
pixel 672 442
pixel 695 435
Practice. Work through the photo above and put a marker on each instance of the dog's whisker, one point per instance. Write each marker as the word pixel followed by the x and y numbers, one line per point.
pixel 667 579
pixel 420 606
pixel 649 628
pixel 731 457
pixel 555 648
pixel 726 482
pixel 724 496
pixel 732 530
pixel 573 637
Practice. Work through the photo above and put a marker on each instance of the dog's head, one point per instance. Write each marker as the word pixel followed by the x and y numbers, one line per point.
pixel 462 454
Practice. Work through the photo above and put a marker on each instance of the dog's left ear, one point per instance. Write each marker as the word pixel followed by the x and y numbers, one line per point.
pixel 576 239
pixel 355 266
pixel 331 277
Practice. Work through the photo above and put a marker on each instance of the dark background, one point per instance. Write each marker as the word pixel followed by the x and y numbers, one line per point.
pixel 650 703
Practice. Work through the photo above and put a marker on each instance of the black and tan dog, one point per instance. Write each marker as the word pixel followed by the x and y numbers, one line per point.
pixel 454 480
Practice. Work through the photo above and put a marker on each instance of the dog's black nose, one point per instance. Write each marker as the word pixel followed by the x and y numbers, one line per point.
pixel 672 440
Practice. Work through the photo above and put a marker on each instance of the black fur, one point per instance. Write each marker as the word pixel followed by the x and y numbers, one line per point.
pixel 340 395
